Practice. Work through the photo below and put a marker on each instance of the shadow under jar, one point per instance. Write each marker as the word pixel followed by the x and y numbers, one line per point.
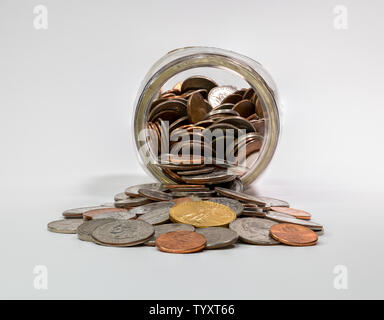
pixel 157 120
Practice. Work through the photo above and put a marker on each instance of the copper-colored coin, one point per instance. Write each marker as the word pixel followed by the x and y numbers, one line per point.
pixel 90 214
pixel 197 108
pixel 293 234
pixel 245 108
pixel 248 94
pixel 177 87
pixel 299 214
pixel 232 98
pixel 181 242
pixel 197 82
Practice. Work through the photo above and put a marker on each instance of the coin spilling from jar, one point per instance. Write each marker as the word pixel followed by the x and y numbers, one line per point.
pixel 201 217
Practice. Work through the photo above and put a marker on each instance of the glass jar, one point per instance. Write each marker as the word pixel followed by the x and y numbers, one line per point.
pixel 229 67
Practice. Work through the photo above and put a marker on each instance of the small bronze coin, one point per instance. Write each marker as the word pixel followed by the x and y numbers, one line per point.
pixel 299 214
pixel 181 242
pixel 245 108
pixel 155 195
pixel 89 215
pixel 232 98
pixel 197 108
pixel 198 82
pixel 293 234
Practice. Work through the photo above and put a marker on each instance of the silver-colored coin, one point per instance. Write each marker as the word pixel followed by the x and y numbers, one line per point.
pixel 84 231
pixel 254 230
pixel 285 218
pixel 133 191
pixel 158 215
pixel 131 202
pixel 235 205
pixel 186 194
pixel 117 215
pixel 78 212
pixel 155 195
pixel 272 202
pixel 240 196
pixel 151 206
pixel 218 237
pixel 169 227
pixel 218 94
pixel 123 233
pixel 64 226
pixel 121 196
pixel 219 176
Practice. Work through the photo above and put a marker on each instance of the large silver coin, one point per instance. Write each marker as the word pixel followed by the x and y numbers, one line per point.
pixel 123 233
pixel 285 218
pixel 151 206
pixel 84 231
pixel 116 215
pixel 158 215
pixel 169 227
pixel 254 230
pixel 133 191
pixel 235 205
pixel 64 226
pixel 218 94
pixel 218 237
pixel 78 212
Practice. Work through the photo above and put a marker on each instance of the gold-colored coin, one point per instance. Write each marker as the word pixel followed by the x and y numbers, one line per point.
pixel 202 214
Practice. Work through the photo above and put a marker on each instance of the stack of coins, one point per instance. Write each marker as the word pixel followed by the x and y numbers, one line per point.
pixel 189 218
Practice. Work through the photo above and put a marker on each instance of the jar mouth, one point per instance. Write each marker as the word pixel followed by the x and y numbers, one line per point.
pixel 180 60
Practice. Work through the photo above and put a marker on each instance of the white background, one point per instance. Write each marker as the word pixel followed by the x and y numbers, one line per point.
pixel 66 104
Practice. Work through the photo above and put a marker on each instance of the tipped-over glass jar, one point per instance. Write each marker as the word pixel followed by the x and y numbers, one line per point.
pixel 206 116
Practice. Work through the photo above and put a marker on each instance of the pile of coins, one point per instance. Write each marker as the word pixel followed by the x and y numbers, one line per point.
pixel 189 218
pixel 198 129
